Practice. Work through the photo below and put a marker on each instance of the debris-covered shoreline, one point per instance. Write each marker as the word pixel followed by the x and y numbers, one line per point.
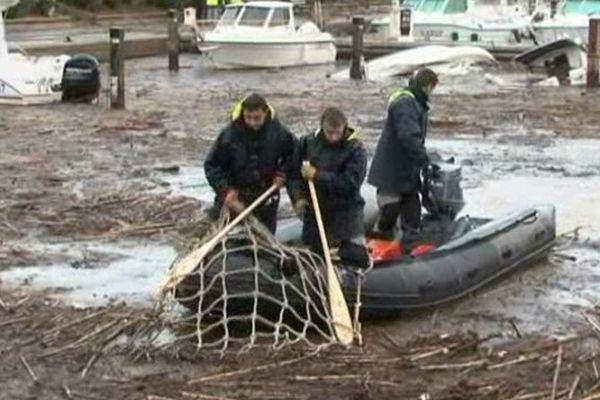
pixel 75 175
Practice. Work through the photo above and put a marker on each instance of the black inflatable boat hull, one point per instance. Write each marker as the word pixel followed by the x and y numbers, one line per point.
pixel 459 267
pixel 479 254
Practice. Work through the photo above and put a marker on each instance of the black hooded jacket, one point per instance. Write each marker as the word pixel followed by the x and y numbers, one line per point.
pixel 247 161
pixel 400 153
pixel 341 170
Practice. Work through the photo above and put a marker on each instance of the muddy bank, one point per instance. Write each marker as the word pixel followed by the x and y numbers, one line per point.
pixel 56 353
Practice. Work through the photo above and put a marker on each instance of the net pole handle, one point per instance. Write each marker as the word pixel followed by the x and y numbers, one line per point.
pixel 186 265
pixel 243 214
pixel 340 314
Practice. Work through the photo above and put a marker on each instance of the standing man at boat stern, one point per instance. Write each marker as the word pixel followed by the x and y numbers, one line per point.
pixel 337 164
pixel 252 153
pixel 400 156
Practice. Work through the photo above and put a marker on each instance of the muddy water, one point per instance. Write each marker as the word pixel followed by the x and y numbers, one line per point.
pixel 96 274
pixel 514 169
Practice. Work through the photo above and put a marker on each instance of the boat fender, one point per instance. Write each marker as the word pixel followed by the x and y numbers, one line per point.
pixel 421 249
pixel 381 250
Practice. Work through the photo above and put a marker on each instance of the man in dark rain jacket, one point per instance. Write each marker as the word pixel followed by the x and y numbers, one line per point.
pixel 400 156
pixel 337 165
pixel 250 155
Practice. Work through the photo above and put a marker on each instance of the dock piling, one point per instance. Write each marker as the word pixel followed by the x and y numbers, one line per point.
pixel 357 70
pixel 173 43
pixel 593 54
pixel 117 68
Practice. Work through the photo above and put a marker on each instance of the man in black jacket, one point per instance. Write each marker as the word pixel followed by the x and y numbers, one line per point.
pixel 249 155
pixel 337 165
pixel 400 156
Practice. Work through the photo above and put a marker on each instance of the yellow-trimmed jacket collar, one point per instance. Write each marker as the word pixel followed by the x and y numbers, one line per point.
pixel 236 112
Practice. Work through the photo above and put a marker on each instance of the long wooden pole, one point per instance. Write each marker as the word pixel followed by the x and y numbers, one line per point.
pixel 186 265
pixel 342 323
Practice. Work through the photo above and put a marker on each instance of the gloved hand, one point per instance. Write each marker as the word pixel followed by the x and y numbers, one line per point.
pixel 300 208
pixel 279 180
pixel 422 158
pixel 430 170
pixel 232 201
pixel 308 171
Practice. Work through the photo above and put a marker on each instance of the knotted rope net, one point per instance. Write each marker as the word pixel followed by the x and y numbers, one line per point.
pixel 249 291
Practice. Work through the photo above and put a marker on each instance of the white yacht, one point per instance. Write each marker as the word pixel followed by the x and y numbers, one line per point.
pixel 263 34
pixel 492 22
pixel 570 22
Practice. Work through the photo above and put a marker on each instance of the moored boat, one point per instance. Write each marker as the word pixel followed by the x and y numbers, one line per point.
pixel 263 34
pixel 27 80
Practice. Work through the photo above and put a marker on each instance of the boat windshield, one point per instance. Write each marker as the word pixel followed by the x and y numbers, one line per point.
pixel 254 16
pixel 581 7
pixel 230 15
pixel 414 4
pixel 432 5
pixel 280 17
pixel 456 7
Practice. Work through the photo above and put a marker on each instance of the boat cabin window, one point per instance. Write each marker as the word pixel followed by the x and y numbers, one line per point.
pixel 230 15
pixel 414 4
pixel 581 7
pixel 280 17
pixel 254 16
pixel 432 5
pixel 456 7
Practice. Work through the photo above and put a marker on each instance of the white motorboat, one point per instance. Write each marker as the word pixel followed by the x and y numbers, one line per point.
pixel 439 58
pixel 263 34
pixel 571 21
pixel 563 60
pixel 28 80
pixel 497 22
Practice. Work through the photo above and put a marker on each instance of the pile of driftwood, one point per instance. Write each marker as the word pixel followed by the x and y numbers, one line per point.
pixel 460 366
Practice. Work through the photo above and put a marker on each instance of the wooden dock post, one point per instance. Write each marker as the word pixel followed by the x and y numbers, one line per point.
pixel 593 54
pixel 406 23
pixel 317 12
pixel 553 8
pixel 117 68
pixel 173 44
pixel 357 68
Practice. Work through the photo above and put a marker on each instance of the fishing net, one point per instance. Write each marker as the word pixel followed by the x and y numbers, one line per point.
pixel 250 291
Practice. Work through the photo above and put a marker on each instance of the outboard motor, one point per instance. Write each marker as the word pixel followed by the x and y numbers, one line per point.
pixel 443 194
pixel 81 79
